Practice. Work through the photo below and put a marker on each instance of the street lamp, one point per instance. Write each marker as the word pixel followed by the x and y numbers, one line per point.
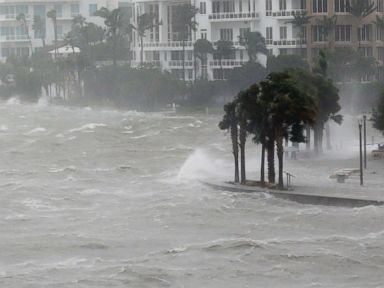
pixel 365 140
pixel 361 152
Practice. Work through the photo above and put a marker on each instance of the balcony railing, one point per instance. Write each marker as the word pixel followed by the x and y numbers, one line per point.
pixel 179 63
pixel 171 44
pixel 14 38
pixel 234 16
pixel 285 13
pixel 227 63
pixel 12 17
pixel 290 42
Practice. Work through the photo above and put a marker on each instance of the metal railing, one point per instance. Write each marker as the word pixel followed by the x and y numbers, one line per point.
pixel 290 42
pixel 166 44
pixel 233 16
pixel 226 63
pixel 14 38
pixel 179 63
pixel 286 13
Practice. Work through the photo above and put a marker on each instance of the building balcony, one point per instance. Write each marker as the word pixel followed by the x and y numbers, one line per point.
pixel 234 16
pixel 179 63
pixel 14 38
pixel 288 42
pixel 165 45
pixel 285 14
pixel 226 63
pixel 153 63
pixel 12 17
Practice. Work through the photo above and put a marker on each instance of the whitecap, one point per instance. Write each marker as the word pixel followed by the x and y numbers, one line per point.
pixel 88 127
pixel 3 128
pixel 13 101
pixel 36 130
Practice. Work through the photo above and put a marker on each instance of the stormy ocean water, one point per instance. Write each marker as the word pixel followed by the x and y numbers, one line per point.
pixel 102 198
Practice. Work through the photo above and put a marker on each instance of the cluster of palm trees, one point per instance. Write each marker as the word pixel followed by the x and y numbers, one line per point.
pixel 280 107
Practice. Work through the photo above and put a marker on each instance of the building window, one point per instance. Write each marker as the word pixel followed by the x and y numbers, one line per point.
pixel 203 8
pixel 269 36
pixel 203 35
pixel 243 32
pixel 268 5
pixel 318 33
pixel 380 6
pixel 216 7
pixel 226 34
pixel 380 54
pixel 92 9
pixel 366 51
pixel 282 5
pixel 75 10
pixel 342 6
pixel 319 6
pixel 365 33
pixel 39 10
pixel 343 33
pixel 283 32
pixel 379 33
pixel 229 6
pixel 59 11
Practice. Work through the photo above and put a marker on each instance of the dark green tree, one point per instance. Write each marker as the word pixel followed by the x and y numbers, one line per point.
pixel 224 49
pixel 230 122
pixel 201 49
pixel 117 27
pixel 254 43
pixel 38 26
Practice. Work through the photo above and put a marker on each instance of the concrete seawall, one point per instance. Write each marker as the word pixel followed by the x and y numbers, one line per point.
pixel 304 195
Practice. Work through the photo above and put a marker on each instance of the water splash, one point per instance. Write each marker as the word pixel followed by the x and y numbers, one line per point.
pixel 200 165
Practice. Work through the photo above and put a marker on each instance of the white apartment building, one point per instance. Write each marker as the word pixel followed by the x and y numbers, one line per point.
pixel 219 20
pixel 14 38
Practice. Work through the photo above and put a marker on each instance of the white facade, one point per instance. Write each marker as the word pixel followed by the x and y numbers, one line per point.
pixel 219 20
pixel 14 37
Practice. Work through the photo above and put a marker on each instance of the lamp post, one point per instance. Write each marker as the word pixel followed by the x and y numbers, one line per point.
pixel 365 141
pixel 361 153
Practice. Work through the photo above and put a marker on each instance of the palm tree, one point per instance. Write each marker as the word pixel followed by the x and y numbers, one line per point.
pixel 184 23
pixel 23 21
pixel 301 21
pixel 360 9
pixel 52 14
pixel 223 49
pixel 38 26
pixel 329 26
pixel 254 110
pixel 201 49
pixel 289 109
pixel 116 27
pixel 145 22
pixel 230 122
pixel 254 43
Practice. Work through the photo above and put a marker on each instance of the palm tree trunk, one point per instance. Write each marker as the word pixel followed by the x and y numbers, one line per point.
pixel 308 136
pixel 114 44
pixel 280 156
pixel 262 168
pixel 243 138
pixel 328 135
pixel 318 138
pixel 271 160
pixel 141 52
pixel 235 149
pixel 183 60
